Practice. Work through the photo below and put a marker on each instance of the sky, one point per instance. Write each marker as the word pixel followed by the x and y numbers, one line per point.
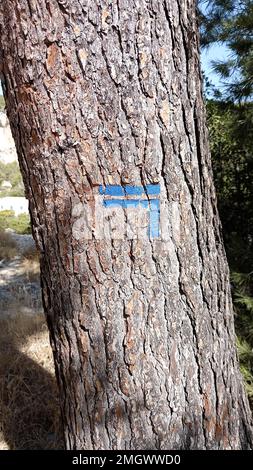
pixel 213 52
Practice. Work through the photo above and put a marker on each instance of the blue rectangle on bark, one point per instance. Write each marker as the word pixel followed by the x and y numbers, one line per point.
pixel 119 196
pixel 117 190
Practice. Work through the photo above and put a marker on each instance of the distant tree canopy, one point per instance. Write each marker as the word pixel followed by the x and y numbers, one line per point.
pixel 231 137
pixel 11 172
pixel 230 121
pixel 231 22
pixel 20 224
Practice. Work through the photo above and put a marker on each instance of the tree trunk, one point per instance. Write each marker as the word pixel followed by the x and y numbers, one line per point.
pixel 104 99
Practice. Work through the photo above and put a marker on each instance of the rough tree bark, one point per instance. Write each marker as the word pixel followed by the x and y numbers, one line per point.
pixel 109 93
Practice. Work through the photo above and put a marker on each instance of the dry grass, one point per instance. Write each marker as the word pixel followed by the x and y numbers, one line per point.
pixel 8 246
pixel 31 254
pixel 29 407
pixel 31 269
pixel 30 264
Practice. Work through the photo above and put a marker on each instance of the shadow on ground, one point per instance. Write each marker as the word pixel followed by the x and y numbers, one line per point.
pixel 29 406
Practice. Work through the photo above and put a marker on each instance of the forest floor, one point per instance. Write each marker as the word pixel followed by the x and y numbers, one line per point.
pixel 29 406
pixel 20 287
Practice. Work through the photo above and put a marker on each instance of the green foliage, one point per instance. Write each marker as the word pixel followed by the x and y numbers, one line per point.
pixel 11 172
pixel 231 22
pixel 21 223
pixel 243 302
pixel 248 380
pixel 231 140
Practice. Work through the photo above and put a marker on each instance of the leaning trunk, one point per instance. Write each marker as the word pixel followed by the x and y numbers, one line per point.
pixel 105 104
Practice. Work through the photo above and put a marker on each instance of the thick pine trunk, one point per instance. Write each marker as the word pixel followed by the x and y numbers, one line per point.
pixel 109 93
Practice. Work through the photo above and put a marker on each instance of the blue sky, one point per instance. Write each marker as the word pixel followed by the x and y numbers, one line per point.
pixel 214 52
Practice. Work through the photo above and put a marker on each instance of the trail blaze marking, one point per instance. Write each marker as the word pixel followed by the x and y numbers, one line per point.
pixel 126 197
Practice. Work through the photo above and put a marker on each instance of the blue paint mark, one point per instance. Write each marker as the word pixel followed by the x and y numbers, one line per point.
pixel 152 189
pixel 114 202
pixel 132 203
pixel 154 218
pixel 116 190
pixel 133 190
pixel 155 205
pixel 112 190
pixel 144 204
pixel 152 204
pixel 125 203
pixel 154 224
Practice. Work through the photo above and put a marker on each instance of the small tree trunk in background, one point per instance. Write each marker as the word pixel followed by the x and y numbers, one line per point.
pixel 109 93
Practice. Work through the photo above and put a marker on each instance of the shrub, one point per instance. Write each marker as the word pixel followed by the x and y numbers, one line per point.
pixel 31 253
pixel 243 302
pixel 8 246
pixel 11 172
pixel 30 264
pixel 20 224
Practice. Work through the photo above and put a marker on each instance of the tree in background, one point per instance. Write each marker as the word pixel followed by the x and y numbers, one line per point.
pixel 231 128
pixel 103 97
pixel 231 22
pixel 11 172
pixel 231 136
pixel 230 122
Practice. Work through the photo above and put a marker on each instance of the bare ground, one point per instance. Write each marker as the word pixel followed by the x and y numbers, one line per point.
pixel 29 405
